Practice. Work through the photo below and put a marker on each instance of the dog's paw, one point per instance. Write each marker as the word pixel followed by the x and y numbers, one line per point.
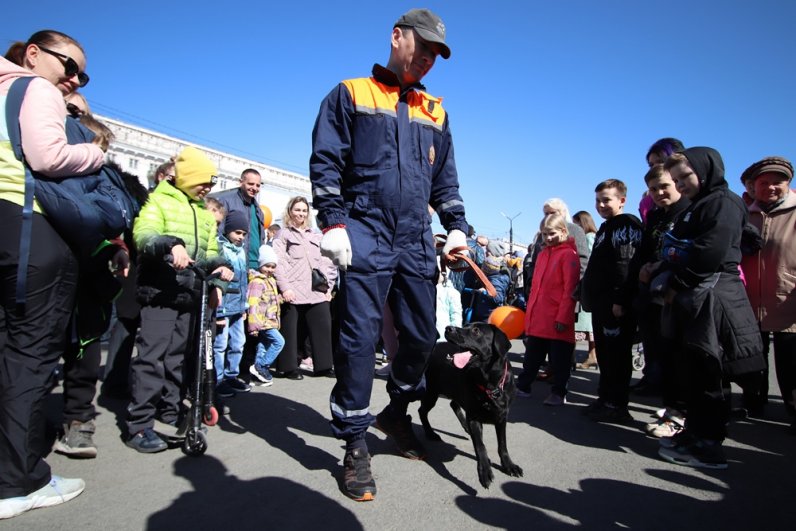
pixel 485 476
pixel 512 470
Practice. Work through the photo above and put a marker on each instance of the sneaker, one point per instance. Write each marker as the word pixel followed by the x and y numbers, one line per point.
pixel 610 414
pixel 147 442
pixel 261 374
pixel 400 429
pixel 663 428
pixel 384 370
pixel 59 490
pixel 554 400
pixel 683 437
pixel 357 479
pixel 224 390
pixel 237 385
pixel 699 454
pixel 77 440
pixel 307 365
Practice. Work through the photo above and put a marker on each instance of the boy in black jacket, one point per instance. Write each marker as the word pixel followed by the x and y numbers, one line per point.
pixel 660 354
pixel 606 292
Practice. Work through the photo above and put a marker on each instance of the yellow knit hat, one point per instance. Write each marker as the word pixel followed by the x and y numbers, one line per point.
pixel 192 167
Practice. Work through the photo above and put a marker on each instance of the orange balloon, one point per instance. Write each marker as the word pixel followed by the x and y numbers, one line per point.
pixel 267 216
pixel 509 319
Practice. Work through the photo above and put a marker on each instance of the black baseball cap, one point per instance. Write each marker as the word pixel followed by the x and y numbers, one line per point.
pixel 428 25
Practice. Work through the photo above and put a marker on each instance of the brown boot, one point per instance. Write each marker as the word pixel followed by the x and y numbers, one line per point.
pixel 591 361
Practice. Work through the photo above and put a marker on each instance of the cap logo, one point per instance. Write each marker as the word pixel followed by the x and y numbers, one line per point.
pixel 441 29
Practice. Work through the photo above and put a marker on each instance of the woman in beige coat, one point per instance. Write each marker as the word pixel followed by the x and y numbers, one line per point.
pixel 771 272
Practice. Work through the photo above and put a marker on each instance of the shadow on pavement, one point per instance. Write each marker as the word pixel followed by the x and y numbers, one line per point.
pixel 222 501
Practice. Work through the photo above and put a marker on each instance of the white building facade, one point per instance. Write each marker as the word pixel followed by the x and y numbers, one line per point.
pixel 140 151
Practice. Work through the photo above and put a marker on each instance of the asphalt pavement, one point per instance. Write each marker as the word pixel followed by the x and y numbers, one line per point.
pixel 272 464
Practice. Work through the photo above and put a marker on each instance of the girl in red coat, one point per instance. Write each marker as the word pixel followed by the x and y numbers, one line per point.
pixel 550 315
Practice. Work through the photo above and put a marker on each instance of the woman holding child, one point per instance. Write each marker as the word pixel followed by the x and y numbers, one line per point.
pixel 34 337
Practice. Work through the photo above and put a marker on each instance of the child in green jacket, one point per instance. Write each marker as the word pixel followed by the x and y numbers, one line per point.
pixel 172 232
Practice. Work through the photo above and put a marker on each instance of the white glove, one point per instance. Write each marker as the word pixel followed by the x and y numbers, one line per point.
pixel 336 246
pixel 456 238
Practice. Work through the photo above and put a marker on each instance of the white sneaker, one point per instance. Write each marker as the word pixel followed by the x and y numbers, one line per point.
pixel 307 365
pixel 663 428
pixel 59 490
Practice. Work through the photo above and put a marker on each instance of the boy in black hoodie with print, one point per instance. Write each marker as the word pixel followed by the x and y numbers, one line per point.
pixel 606 292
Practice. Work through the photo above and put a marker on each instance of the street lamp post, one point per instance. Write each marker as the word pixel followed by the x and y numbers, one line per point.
pixel 511 229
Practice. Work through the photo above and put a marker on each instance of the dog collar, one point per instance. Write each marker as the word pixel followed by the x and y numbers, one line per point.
pixel 497 392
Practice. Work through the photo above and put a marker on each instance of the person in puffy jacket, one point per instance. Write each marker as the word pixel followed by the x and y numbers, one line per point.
pixel 550 314
pixel 32 340
pixel 172 231
pixel 230 330
pixel 264 315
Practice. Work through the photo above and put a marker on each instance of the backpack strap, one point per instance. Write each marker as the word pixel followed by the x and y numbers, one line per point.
pixel 13 105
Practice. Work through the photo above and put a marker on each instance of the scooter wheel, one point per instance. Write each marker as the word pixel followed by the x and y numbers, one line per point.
pixel 195 443
pixel 211 416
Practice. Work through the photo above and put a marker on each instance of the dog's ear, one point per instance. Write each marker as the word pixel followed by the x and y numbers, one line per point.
pixel 500 343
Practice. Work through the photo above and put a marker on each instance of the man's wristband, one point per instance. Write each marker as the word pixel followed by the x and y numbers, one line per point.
pixel 330 227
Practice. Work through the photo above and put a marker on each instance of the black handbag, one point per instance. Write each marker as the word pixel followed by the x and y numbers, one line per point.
pixel 319 281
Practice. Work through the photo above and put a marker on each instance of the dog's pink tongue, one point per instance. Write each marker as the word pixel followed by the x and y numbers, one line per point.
pixel 460 360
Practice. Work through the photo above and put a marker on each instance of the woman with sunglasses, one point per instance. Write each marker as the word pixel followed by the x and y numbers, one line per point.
pixel 32 338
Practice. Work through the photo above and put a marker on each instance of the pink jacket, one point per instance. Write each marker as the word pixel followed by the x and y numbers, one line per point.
pixel 42 120
pixel 554 279
pixel 299 250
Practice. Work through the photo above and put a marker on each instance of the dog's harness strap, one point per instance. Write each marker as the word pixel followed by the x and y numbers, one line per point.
pixel 460 253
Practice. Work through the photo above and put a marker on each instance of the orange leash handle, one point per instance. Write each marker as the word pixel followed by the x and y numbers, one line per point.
pixel 453 260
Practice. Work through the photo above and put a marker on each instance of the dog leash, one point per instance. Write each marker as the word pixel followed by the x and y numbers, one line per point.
pixel 456 256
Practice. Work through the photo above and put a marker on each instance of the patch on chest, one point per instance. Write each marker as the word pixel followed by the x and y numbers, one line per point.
pixel 432 154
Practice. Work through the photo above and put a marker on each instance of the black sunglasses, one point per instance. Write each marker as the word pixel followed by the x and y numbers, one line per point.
pixel 70 66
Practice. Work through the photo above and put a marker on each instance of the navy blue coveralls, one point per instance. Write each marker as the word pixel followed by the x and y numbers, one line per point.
pixel 380 157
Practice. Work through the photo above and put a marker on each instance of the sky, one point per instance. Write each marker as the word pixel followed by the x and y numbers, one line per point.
pixel 545 98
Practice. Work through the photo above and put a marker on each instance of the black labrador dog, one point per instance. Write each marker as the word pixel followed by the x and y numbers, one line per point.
pixel 473 370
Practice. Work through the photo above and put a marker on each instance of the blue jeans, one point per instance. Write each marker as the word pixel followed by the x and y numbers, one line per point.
pixel 269 345
pixel 228 347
